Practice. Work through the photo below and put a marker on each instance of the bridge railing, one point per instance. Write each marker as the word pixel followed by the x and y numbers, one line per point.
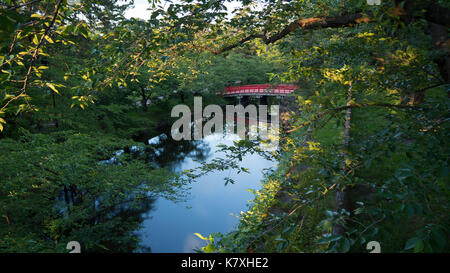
pixel 281 89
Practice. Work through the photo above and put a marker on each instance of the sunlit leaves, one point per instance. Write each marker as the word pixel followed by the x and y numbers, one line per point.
pixel 82 101
pixel 52 87
pixel 35 40
pixel 1 125
pixel 209 248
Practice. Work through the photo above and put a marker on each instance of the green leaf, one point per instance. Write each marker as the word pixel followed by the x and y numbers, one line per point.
pixel 329 239
pixel 35 40
pixel 104 247
pixel 345 245
pixel 52 87
pixel 412 242
pixel 48 39
pixel 439 237
pixel 201 237
pixel 419 246
pixel 209 248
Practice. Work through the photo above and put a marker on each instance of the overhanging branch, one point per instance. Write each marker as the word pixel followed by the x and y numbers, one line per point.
pixel 351 106
pixel 310 23
pixel 434 13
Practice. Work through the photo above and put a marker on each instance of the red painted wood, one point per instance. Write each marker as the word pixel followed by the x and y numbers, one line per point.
pixel 258 89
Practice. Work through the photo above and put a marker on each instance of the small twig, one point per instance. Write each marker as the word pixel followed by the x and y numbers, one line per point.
pixel 23 5
pixel 7 218
pixel 371 225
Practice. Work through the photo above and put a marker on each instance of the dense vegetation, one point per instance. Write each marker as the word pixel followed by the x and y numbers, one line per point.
pixel 363 157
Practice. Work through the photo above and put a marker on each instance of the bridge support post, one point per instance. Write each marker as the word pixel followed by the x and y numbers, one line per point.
pixel 244 100
pixel 263 100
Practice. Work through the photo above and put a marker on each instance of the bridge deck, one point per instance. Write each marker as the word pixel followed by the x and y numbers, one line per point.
pixel 258 89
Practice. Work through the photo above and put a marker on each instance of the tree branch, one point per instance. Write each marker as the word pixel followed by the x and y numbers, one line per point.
pixel 310 23
pixel 434 13
pixel 35 56
pixel 360 105
pixel 23 5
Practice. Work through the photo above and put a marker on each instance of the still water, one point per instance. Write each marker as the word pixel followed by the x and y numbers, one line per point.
pixel 211 206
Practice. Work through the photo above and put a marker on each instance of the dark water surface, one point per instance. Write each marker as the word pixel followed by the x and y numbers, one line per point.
pixel 211 206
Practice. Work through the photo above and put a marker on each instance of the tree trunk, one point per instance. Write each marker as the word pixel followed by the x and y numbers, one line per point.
pixel 144 101
pixel 439 36
pixel 54 107
pixel 341 197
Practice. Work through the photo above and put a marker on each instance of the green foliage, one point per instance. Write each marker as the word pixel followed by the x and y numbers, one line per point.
pixel 56 188
pixel 78 81
pixel 396 164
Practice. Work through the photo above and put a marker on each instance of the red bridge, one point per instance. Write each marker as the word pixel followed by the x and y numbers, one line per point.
pixel 258 89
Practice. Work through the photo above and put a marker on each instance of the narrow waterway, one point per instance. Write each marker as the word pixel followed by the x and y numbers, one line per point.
pixel 211 207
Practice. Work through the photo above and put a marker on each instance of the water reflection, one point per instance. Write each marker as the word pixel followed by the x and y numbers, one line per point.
pixel 212 206
pixel 124 218
pixel 166 152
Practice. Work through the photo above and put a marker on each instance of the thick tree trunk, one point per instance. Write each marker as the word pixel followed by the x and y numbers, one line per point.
pixel 341 198
pixel 441 42
pixel 144 101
